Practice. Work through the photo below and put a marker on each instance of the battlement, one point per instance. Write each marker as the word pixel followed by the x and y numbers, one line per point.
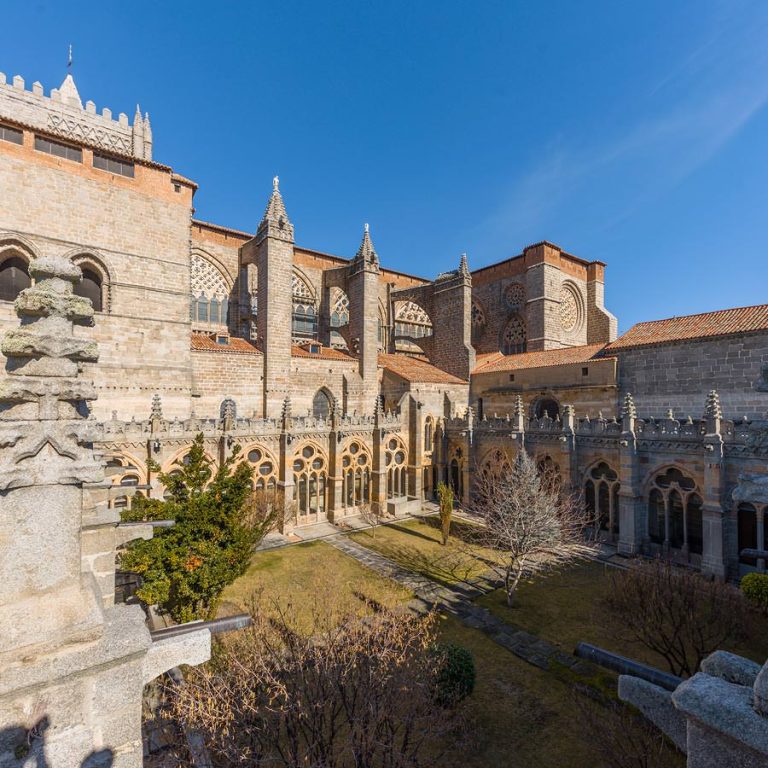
pixel 61 113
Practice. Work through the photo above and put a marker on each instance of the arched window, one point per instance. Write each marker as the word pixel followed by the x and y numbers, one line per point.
pixel 675 512
pixel 90 287
pixel 356 475
pixel 747 528
pixel 478 321
pixel 310 478
pixel 264 474
pixel 411 322
pixel 396 458
pixel 513 337
pixel 601 493
pixel 304 318
pixel 339 317
pixel 428 433
pixel 547 406
pixel 14 278
pixel 321 404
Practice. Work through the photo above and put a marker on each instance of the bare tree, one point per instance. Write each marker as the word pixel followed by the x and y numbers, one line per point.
pixel 371 514
pixel 529 520
pixel 675 612
pixel 350 691
pixel 623 737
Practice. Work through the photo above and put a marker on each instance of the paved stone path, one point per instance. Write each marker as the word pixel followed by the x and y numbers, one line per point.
pixel 458 601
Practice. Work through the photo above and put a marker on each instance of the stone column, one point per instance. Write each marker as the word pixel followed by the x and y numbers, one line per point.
pixel 73 663
pixel 632 509
pixel 714 559
pixel 285 485
pixel 379 470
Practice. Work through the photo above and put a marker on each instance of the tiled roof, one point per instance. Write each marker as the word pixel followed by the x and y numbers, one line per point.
pixel 723 323
pixel 325 353
pixel 495 361
pixel 412 369
pixel 205 342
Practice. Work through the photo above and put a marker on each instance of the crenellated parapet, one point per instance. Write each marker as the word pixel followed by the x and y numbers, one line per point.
pixel 62 113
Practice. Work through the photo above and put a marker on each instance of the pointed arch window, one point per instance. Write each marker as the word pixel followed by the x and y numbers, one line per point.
pixel 675 512
pixel 90 286
pixel 321 404
pixel 14 278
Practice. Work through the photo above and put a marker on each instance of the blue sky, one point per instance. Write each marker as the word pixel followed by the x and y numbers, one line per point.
pixel 633 133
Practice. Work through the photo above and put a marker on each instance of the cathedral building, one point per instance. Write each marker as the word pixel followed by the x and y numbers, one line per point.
pixel 345 382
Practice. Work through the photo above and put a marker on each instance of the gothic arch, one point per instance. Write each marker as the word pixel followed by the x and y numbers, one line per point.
pixel 323 403
pixel 572 310
pixel 16 254
pixel 197 255
pixel 514 336
pixel 97 280
pixel 177 459
pixel 301 287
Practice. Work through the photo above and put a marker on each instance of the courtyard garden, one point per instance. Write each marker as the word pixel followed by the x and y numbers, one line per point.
pixel 520 715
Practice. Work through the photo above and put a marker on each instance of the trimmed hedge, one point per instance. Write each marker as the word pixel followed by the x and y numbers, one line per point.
pixel 754 587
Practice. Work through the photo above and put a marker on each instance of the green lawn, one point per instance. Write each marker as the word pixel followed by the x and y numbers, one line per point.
pixel 415 544
pixel 520 715
pixel 564 608
pixel 301 576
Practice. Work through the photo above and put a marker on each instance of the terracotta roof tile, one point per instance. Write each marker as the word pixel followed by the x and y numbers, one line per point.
pixel 722 323
pixel 495 361
pixel 413 369
pixel 204 342
pixel 325 353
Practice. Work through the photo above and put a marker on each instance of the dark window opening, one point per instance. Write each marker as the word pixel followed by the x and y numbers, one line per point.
pixel 89 287
pixel 113 165
pixel 58 149
pixel 547 407
pixel 13 135
pixel 585 371
pixel 321 405
pixel 14 278
pixel 511 376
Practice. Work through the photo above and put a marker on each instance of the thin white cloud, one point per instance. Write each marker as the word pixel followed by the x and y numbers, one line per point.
pixel 707 99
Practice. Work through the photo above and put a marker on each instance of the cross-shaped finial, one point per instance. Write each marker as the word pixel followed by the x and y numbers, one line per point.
pixel 69 58
pixel 276 183
pixel 366 226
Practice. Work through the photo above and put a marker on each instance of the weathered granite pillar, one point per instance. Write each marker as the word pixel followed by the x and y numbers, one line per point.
pixel 632 513
pixel 73 665
pixel 714 559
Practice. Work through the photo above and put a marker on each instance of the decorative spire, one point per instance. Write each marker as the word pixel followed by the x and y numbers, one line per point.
pixel 628 410
pixel 366 253
pixel 518 406
pixel 137 132
pixel 713 409
pixel 463 267
pixel 228 409
pixel 275 222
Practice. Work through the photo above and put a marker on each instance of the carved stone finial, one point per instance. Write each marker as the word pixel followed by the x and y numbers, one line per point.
pixel 519 407
pixel 628 409
pixel 713 409
pixel 228 409
pixel 286 411
pixel 156 412
pixel 463 266
pixel 275 183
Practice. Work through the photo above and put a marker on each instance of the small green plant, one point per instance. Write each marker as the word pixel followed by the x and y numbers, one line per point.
pixel 754 586
pixel 456 675
pixel 445 499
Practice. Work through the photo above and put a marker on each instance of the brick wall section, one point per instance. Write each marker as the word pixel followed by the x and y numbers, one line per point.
pixel 452 349
pixel 679 375
pixel 217 375
pixel 138 229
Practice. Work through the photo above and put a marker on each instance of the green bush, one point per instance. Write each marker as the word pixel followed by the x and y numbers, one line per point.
pixel 456 678
pixel 754 586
